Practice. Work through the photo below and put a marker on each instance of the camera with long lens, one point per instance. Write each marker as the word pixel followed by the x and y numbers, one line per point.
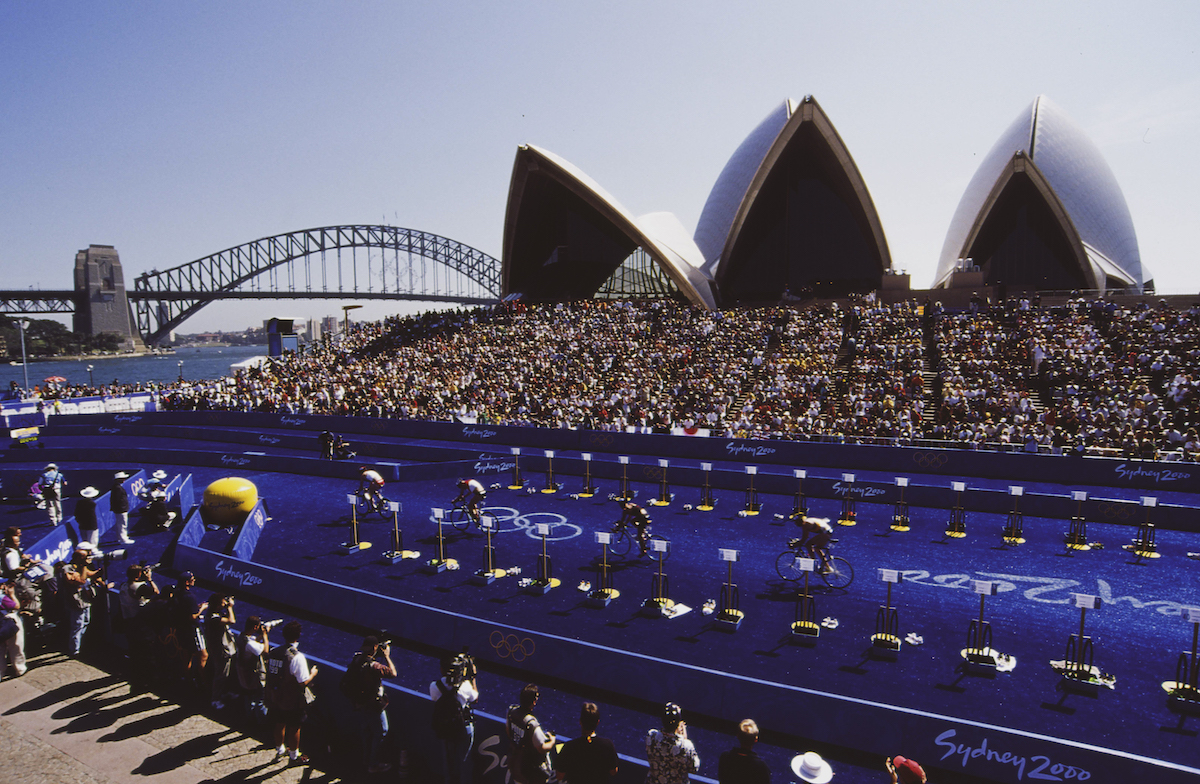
pixel 269 625
pixel 110 556
pixel 461 668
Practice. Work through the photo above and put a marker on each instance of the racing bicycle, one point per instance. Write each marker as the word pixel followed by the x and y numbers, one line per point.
pixel 623 539
pixel 461 517
pixel 839 574
pixel 365 503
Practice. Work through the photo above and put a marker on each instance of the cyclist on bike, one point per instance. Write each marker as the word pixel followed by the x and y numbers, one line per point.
pixel 472 492
pixel 632 514
pixel 370 484
pixel 815 539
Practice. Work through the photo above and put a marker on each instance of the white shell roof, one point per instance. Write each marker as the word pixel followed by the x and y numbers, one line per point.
pixel 727 193
pixel 1081 179
pixel 660 233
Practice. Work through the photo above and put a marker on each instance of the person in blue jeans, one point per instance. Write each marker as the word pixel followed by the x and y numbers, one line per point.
pixel 453 723
pixel 77 589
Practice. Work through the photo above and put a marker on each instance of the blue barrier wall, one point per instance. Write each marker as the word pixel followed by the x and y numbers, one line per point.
pixel 1113 472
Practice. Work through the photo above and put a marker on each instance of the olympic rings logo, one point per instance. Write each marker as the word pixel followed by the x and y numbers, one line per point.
pixel 600 439
pixel 650 472
pixel 509 520
pixel 510 646
pixel 379 426
pixel 930 459
pixel 1110 511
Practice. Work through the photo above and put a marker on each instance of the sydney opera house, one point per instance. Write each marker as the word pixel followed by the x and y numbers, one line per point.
pixel 791 216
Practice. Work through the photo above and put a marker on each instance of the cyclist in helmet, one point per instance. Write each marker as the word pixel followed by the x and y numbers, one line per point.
pixel 370 484
pixel 471 492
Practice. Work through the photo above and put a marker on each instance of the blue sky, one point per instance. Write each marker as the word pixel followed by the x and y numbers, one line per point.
pixel 175 130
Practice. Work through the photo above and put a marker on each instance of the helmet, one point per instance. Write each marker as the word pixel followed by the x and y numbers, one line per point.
pixel 463 482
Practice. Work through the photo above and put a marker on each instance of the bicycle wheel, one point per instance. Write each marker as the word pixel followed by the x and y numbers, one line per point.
pixel 621 542
pixel 787 567
pixel 383 507
pixel 362 505
pixel 458 518
pixel 658 555
pixel 840 573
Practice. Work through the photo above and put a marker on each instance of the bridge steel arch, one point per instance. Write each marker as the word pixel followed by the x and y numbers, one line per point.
pixel 164 300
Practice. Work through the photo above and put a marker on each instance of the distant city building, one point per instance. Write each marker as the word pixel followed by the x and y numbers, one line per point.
pixel 100 301
pixel 1043 211
pixel 330 325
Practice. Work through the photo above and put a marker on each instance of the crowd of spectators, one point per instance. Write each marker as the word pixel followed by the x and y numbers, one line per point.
pixel 1088 377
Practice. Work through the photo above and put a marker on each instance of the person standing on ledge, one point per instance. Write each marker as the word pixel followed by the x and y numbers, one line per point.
pixel 118 504
pixel 288 679
pixel 85 516
pixel 740 765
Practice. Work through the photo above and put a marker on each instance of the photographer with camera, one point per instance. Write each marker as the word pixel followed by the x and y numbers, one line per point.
pixel 250 663
pixel 221 646
pixel 453 721
pixel 138 591
pixel 671 756
pixel 363 686
pixel 12 632
pixel 78 588
pixel 28 576
pixel 188 613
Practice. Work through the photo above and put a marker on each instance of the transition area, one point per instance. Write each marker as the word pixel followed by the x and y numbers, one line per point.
pixel 1005 616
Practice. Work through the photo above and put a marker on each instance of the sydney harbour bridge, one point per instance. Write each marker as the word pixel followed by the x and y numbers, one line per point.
pixel 333 262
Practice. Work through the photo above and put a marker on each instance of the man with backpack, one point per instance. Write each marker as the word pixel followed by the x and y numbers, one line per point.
pixel 363 686
pixel 453 722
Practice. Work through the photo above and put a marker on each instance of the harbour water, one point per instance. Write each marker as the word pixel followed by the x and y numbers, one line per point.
pixel 198 364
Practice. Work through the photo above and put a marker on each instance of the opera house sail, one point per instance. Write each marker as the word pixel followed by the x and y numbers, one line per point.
pixel 566 238
pixel 1045 212
pixel 790 213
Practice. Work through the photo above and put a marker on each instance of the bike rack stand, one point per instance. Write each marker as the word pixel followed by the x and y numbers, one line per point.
pixel 545 581
pixel 752 507
pixel 1183 693
pixel 517 481
pixel 1014 528
pixel 1143 545
pixel 800 505
pixel 658 604
pixel 1079 673
pixel 979 655
pixel 1076 538
pixel 588 489
pixel 706 497
pixel 729 616
pixel 901 522
pixel 551 485
pixel 664 491
pixel 354 545
pixel 488 573
pixel 849 515
pixel 957 529
pixel 885 642
pixel 441 563
pixel 603 592
pixel 625 493
pixel 805 629
pixel 397 553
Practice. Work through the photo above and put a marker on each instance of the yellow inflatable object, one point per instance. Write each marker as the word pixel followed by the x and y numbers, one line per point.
pixel 228 501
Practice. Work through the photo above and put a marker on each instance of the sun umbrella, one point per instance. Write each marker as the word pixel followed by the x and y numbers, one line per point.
pixel 56 380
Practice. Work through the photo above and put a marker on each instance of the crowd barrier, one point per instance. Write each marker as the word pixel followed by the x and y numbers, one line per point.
pixel 1111 472
pixel 97 404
